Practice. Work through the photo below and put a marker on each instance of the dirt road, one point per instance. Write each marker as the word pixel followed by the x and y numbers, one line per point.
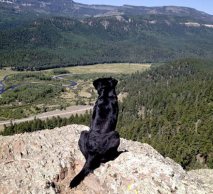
pixel 64 113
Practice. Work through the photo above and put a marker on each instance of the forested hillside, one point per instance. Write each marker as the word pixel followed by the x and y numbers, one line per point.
pixel 58 41
pixel 171 108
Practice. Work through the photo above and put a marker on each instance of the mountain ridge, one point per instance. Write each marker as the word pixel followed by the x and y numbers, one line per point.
pixel 69 8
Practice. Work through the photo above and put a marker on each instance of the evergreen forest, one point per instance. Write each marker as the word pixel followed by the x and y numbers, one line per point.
pixel 50 42
pixel 171 108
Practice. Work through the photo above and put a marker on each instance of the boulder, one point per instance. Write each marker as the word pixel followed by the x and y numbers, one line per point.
pixel 44 162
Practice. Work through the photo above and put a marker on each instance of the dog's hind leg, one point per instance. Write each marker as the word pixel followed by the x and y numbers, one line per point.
pixel 110 146
pixel 111 140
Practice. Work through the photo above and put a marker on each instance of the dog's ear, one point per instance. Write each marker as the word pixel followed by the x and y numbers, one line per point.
pixel 113 82
pixel 97 83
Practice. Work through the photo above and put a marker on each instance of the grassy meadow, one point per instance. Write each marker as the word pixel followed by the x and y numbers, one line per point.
pixel 39 91
pixel 113 68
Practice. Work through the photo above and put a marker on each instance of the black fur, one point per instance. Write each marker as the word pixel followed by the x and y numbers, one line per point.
pixel 100 143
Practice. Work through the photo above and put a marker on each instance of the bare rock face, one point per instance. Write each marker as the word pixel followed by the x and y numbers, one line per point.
pixel 44 162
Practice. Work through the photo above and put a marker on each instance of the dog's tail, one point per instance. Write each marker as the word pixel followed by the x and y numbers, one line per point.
pixel 88 167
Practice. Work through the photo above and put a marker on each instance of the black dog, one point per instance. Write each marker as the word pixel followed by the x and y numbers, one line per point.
pixel 100 143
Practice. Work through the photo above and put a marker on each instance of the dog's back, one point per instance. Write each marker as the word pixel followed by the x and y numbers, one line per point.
pixel 105 111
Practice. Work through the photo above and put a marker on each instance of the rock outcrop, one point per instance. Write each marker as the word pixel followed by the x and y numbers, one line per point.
pixel 44 162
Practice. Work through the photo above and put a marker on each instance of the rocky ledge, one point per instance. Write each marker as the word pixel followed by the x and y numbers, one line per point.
pixel 44 162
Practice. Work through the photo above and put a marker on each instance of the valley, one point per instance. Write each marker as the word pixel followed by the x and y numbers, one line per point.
pixel 25 94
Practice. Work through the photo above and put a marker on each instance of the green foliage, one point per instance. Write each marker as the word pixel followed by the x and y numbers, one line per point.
pixel 25 91
pixel 29 93
pixel 60 71
pixel 38 124
pixel 170 107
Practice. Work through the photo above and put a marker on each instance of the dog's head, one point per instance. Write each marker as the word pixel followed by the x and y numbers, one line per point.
pixel 106 84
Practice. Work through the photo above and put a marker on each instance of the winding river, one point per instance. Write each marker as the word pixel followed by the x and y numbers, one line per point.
pixel 2 88
pixel 61 77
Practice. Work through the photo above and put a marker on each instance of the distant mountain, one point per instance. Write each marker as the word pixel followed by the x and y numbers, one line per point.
pixel 43 34
pixel 59 41
pixel 72 9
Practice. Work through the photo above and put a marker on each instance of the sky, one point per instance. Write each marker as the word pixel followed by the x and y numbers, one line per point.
pixel 202 5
